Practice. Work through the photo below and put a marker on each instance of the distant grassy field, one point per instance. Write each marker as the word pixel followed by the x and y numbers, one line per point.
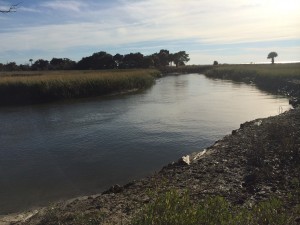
pixel 282 71
pixel 283 78
pixel 44 86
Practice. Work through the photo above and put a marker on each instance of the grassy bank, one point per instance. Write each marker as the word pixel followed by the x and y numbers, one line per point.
pixel 276 78
pixel 39 87
pixel 175 208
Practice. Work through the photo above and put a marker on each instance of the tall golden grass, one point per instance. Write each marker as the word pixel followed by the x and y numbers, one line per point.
pixel 278 78
pixel 45 86
pixel 285 71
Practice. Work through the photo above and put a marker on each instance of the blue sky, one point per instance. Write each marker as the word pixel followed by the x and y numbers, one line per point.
pixel 229 31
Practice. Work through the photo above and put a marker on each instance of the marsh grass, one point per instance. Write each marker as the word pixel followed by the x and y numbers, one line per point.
pixel 37 87
pixel 278 78
pixel 283 71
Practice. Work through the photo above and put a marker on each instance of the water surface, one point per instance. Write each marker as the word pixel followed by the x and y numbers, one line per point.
pixel 58 151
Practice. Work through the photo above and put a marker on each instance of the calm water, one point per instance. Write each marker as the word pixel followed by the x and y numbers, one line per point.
pixel 62 150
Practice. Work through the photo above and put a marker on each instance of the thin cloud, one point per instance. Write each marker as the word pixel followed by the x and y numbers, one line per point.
pixel 29 9
pixel 75 6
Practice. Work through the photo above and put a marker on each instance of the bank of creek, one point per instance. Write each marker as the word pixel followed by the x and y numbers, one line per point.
pixel 59 151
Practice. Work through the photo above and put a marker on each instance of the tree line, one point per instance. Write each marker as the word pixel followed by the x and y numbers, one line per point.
pixel 103 60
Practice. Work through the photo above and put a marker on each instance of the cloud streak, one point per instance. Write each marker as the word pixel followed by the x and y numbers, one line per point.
pixel 74 6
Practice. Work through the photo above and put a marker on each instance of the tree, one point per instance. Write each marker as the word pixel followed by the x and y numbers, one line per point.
pixel 133 60
pixel 98 61
pixel 148 62
pixel 11 66
pixel 155 60
pixel 62 64
pixel 30 60
pixel 215 63
pixel 271 56
pixel 102 60
pixel 118 58
pixel 180 58
pixel 12 8
pixel 25 67
pixel 40 64
pixel 164 57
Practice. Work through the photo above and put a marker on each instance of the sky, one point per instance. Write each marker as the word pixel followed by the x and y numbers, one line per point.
pixel 228 31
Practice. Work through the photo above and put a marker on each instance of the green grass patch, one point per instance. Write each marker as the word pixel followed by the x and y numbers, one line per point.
pixel 173 208
pixel 38 87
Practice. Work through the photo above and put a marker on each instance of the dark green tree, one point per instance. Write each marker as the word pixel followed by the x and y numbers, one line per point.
pixel 40 64
pixel 11 66
pixel 148 62
pixel 180 58
pixel 271 56
pixel 62 64
pixel 85 63
pixel 164 57
pixel 155 60
pixel 118 58
pixel 25 67
pixel 133 60
pixel 98 61
pixel 102 60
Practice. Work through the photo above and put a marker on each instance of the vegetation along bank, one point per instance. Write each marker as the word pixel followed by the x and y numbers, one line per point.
pixel 45 86
pixel 275 78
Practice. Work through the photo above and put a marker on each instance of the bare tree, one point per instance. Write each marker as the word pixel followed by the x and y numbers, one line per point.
pixel 12 8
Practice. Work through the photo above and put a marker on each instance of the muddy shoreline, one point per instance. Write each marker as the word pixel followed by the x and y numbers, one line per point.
pixel 245 167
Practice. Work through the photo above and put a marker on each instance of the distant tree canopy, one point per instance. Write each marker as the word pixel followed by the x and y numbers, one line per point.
pixel 271 56
pixel 215 63
pixel 40 64
pixel 180 58
pixel 98 61
pixel 62 64
pixel 103 60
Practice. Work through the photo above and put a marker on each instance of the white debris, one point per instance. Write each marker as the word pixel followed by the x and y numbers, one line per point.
pixel 258 123
pixel 186 159
pixel 196 157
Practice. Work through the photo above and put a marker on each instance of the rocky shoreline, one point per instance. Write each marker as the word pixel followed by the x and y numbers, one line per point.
pixel 257 161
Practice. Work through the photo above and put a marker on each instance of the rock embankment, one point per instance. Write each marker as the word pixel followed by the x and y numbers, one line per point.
pixel 257 161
